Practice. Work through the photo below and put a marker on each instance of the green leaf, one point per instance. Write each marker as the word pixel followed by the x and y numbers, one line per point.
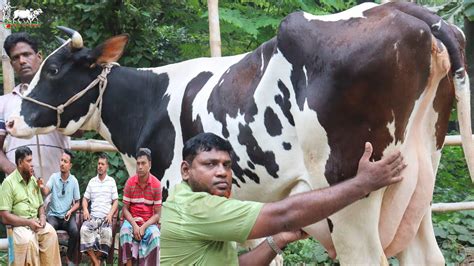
pixel 464 238
pixel 440 232
pixel 469 12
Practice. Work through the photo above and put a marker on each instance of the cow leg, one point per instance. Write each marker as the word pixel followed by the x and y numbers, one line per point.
pixel 355 232
pixel 423 249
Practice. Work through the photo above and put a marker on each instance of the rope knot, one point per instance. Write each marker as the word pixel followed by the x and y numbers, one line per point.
pixel 102 77
pixel 60 109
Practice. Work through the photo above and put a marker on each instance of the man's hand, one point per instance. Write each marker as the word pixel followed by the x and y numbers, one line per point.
pixel 86 214
pixel 35 225
pixel 42 220
pixel 108 218
pixel 136 232
pixel 375 175
pixel 67 216
pixel 142 230
pixel 284 238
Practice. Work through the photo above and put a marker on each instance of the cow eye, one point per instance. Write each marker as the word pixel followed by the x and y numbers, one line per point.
pixel 53 70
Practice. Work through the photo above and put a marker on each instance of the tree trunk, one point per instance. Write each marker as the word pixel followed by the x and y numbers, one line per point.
pixel 469 32
pixel 214 29
pixel 8 77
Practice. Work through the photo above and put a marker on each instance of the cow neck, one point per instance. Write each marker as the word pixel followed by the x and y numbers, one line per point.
pixel 101 80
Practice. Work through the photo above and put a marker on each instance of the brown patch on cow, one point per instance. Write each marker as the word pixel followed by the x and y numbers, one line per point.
pixel 272 122
pixel 284 102
pixel 330 225
pixel 442 104
pixel 190 127
pixel 235 90
pixel 358 87
pixel 256 154
pixel 449 35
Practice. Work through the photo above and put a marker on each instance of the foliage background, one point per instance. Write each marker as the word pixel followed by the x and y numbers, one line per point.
pixel 168 31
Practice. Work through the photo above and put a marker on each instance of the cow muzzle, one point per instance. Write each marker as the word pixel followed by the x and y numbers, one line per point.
pixel 17 127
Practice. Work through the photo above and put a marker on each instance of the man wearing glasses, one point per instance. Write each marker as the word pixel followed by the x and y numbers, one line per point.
pixel 65 196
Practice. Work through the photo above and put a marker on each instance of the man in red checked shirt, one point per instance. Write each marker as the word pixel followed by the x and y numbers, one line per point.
pixel 139 235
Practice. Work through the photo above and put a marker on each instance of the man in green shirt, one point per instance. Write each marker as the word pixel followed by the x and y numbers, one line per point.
pixel 200 224
pixel 21 205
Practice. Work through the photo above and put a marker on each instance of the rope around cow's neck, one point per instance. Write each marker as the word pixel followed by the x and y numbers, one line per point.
pixel 101 80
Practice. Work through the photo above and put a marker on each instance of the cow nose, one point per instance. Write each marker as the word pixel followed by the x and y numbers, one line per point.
pixel 10 124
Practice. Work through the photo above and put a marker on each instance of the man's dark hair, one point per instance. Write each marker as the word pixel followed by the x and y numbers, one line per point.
pixel 144 152
pixel 21 153
pixel 69 152
pixel 205 142
pixel 104 156
pixel 15 38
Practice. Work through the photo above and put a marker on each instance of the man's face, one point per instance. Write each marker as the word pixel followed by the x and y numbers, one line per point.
pixel 102 166
pixel 210 171
pixel 25 167
pixel 25 61
pixel 65 163
pixel 143 166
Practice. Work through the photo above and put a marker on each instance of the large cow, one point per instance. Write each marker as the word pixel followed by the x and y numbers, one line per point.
pixel 297 111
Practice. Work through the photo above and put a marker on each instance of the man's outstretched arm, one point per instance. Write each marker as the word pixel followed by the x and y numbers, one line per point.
pixel 307 208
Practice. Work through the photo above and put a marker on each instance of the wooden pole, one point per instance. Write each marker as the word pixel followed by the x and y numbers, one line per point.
pixel 455 206
pixel 92 145
pixel 454 140
pixel 8 77
pixel 214 28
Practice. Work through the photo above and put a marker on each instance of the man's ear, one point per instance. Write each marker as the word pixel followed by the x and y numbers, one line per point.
pixel 185 167
pixel 111 50
pixel 40 55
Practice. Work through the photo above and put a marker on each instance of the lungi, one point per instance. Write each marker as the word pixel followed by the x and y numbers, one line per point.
pixel 96 234
pixel 40 248
pixel 146 251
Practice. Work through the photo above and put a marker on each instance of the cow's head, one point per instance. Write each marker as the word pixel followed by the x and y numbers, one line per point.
pixel 64 73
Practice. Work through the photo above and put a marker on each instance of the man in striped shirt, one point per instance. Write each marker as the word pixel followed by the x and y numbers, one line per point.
pixel 96 231
pixel 139 235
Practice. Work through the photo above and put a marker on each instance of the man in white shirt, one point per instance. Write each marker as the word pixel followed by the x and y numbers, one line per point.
pixel 103 196
pixel 26 60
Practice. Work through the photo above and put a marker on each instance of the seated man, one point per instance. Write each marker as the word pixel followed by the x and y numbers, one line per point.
pixel 65 196
pixel 139 235
pixel 21 205
pixel 96 231
pixel 200 224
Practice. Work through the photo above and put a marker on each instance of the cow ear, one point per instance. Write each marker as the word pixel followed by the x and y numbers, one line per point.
pixel 111 50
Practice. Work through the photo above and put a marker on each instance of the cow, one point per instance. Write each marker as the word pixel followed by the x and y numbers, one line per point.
pixel 22 15
pixel 297 111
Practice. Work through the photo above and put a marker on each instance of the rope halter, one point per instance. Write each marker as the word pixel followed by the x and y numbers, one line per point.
pixel 101 80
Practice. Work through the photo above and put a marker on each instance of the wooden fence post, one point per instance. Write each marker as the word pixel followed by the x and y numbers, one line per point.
pixel 214 28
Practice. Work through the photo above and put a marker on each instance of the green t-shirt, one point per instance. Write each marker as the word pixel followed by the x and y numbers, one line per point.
pixel 199 228
pixel 20 198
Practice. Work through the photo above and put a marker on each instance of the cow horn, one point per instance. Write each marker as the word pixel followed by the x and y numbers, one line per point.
pixel 76 38
pixel 60 40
